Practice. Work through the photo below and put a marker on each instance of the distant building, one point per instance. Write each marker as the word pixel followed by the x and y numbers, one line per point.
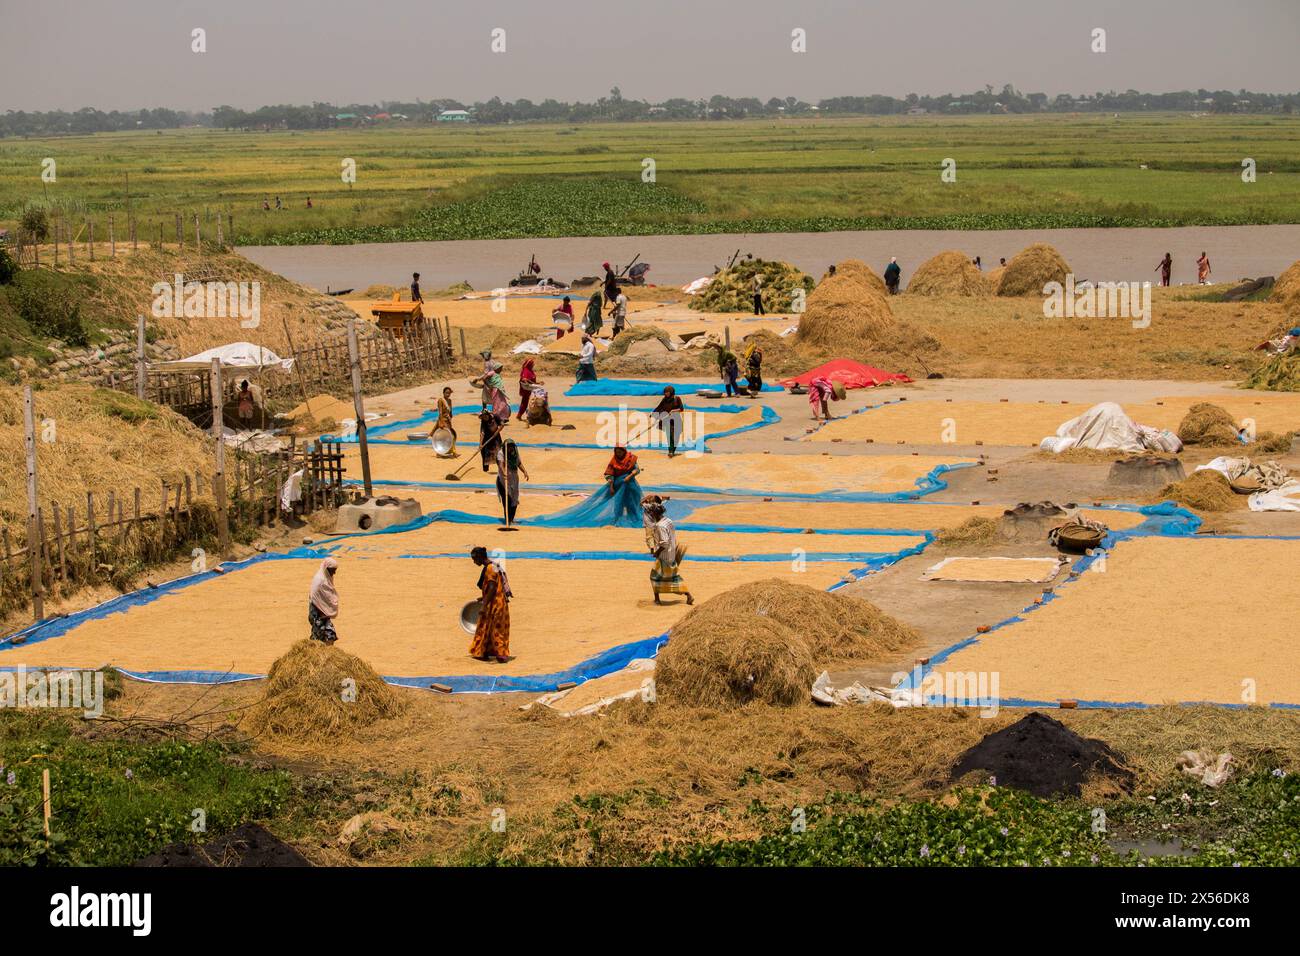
pixel 454 116
pixel 917 111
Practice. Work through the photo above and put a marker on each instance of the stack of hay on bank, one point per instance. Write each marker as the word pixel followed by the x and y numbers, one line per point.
pixel 1286 290
pixel 732 290
pixel 1031 269
pixel 316 693
pixel 847 316
pixel 860 270
pixel 949 273
pixel 766 641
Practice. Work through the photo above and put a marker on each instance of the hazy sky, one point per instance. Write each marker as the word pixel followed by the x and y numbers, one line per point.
pixel 121 54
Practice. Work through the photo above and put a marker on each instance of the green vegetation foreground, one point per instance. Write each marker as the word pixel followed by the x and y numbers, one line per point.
pixel 736 176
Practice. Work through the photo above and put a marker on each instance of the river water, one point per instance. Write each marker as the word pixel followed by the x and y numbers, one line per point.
pixel 1098 254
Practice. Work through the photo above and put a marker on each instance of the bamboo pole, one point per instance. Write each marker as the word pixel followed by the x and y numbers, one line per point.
pixel 219 476
pixel 359 406
pixel 33 546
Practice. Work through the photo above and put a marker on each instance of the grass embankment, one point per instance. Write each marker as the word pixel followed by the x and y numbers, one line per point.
pixel 1014 172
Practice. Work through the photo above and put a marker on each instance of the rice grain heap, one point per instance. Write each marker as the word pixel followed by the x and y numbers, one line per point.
pixel 317 693
pixel 949 273
pixel 1031 269
pixel 765 641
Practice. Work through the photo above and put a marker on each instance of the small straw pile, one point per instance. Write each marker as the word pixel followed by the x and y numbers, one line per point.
pixel 317 693
pixel 949 273
pixel 1031 269
pixel 764 642
pixel 1204 490
pixel 1207 424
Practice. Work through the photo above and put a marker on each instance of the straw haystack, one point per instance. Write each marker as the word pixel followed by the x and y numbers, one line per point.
pixel 316 693
pixel 765 642
pixel 845 315
pixel 949 273
pixel 1031 269
pixel 1286 289
pixel 860 270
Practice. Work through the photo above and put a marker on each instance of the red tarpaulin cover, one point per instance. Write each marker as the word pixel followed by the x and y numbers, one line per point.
pixel 852 374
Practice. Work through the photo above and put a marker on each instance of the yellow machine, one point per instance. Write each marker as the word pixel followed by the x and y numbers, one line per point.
pixel 398 317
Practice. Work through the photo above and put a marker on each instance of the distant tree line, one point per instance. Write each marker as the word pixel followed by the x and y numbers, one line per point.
pixel 615 108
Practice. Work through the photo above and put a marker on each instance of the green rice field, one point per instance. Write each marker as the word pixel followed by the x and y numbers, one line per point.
pixel 491 182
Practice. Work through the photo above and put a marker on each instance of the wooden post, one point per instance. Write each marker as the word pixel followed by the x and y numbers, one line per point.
pixel 357 404
pixel 131 224
pixel 69 240
pixel 219 476
pixel 90 238
pixel 56 243
pixel 221 241
pixel 140 369
pixel 180 234
pixel 45 799
pixel 297 359
pixel 91 530
pixel 112 241
pixel 198 236
pixel 58 546
pixel 33 539
pixel 463 351
pixel 726 332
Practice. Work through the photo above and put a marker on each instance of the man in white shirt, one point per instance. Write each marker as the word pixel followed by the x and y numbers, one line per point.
pixel 587 360
pixel 619 313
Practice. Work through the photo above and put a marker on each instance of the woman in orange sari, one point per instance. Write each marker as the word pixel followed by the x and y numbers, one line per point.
pixel 492 636
pixel 622 467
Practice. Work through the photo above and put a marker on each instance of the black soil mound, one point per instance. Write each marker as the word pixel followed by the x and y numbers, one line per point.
pixel 247 845
pixel 1043 756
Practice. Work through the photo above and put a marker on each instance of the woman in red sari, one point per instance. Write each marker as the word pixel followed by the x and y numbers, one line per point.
pixel 527 379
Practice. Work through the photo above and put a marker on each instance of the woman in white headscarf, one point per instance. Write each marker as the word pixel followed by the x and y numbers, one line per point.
pixel 324 604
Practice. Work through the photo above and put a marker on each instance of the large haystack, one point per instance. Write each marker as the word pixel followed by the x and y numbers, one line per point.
pixel 860 270
pixel 316 693
pixel 1207 424
pixel 93 439
pixel 949 273
pixel 845 315
pixel 765 641
pixel 732 290
pixel 1031 269
pixel 1286 289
